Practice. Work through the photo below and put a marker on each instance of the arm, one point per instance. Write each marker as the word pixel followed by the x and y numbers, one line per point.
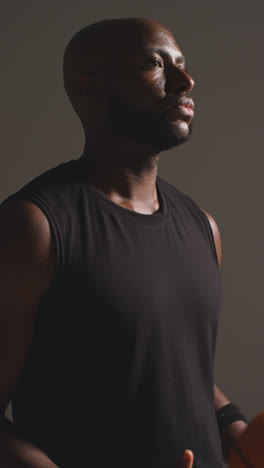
pixel 26 270
pixel 234 430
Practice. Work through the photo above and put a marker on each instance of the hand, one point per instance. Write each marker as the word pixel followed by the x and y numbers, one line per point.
pixel 187 460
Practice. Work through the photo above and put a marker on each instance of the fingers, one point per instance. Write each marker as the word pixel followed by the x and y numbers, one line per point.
pixel 187 460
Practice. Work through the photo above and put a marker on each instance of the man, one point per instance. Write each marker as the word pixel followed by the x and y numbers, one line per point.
pixel 110 284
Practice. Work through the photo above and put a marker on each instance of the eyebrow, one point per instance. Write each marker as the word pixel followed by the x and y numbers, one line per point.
pixel 180 58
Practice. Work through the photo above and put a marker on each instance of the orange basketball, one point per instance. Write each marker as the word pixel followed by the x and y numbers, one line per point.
pixel 250 450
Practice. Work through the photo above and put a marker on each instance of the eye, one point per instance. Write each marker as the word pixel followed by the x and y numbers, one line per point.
pixel 156 61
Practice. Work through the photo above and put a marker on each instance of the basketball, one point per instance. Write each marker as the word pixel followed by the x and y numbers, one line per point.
pixel 249 452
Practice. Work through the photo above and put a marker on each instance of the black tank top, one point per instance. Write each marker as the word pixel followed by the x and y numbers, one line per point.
pixel 121 368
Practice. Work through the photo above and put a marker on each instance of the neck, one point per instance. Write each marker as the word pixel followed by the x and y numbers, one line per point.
pixel 126 177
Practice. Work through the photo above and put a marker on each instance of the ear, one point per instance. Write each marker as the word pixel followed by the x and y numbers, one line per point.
pixel 91 87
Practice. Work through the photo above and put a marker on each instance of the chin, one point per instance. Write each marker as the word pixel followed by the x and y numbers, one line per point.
pixel 179 134
pixel 183 128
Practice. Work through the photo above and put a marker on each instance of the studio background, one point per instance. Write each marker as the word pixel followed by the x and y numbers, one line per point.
pixel 221 167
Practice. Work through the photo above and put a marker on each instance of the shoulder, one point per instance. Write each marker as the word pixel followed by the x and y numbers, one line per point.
pixel 43 207
pixel 26 245
pixel 217 237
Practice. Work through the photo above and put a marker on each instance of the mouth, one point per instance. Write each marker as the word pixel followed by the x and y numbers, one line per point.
pixel 184 107
pixel 180 112
pixel 184 110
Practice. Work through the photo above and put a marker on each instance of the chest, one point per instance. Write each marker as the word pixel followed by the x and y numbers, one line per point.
pixel 127 276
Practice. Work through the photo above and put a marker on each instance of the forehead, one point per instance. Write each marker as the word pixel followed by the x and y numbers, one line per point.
pixel 124 46
pixel 153 40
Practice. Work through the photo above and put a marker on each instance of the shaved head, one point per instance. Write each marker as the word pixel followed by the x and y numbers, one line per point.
pixel 115 87
pixel 94 50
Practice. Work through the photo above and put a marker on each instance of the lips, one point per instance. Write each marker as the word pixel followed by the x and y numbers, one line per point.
pixel 186 102
pixel 183 106
pixel 184 110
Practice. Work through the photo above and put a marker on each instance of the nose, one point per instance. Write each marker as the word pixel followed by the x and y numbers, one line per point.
pixel 179 80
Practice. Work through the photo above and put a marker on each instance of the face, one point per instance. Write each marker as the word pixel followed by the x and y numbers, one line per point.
pixel 148 98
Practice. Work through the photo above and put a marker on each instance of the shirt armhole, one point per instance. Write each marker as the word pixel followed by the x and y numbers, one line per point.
pixel 205 223
pixel 211 235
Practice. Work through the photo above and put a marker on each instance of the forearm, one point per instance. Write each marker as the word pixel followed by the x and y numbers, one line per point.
pixel 18 453
pixel 232 432
pixel 230 437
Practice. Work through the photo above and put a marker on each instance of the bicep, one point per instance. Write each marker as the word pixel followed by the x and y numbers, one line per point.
pixel 27 265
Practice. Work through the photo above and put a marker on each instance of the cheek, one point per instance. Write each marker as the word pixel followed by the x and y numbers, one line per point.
pixel 142 89
pixel 153 84
pixel 146 93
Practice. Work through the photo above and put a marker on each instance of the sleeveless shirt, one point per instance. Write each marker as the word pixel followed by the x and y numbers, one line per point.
pixel 120 371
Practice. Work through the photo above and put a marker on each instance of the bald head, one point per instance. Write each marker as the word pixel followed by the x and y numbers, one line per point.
pixel 122 77
pixel 93 53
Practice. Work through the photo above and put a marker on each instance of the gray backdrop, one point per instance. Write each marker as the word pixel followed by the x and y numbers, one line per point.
pixel 221 168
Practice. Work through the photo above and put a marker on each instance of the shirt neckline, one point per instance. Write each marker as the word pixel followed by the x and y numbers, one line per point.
pixel 156 218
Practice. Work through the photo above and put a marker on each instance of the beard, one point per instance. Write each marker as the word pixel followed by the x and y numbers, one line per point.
pixel 158 131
